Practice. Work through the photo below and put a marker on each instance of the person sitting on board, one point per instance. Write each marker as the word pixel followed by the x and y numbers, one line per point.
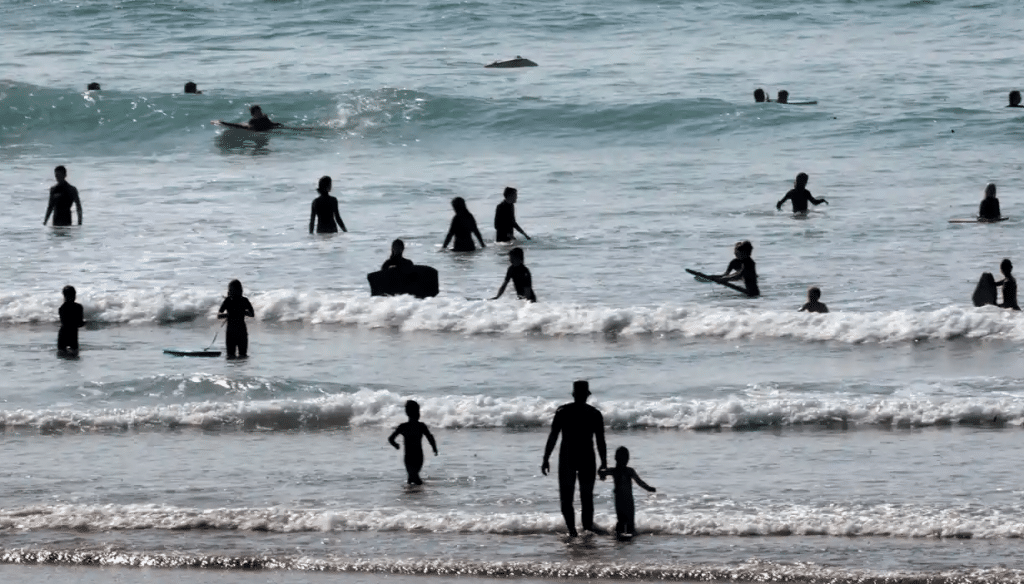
pixel 325 209
pixel 235 308
pixel 520 276
pixel 62 196
pixel 742 267
pixel 1009 284
pixel 413 432
pixel 989 208
pixel 191 87
pixel 1015 99
pixel 259 121
pixel 799 195
pixel 505 217
pixel 71 319
pixel 760 96
pixel 462 228
pixel 623 476
pixel 396 260
pixel 814 303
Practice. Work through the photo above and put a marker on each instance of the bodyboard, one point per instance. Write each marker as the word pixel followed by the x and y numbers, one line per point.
pixel 230 125
pixel 418 281
pixel 200 353
pixel 706 278
pixel 985 291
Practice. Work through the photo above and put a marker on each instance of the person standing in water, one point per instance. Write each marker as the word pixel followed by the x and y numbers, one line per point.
pixel 62 196
pixel 235 308
pixel 413 432
pixel 799 195
pixel 989 208
pixel 1009 284
pixel 623 476
pixel 505 217
pixel 520 276
pixel 72 317
pixel 743 267
pixel 325 209
pixel 581 426
pixel 462 228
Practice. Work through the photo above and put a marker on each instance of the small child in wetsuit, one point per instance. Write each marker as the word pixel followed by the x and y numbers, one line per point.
pixel 412 433
pixel 520 276
pixel 814 303
pixel 743 267
pixel 71 319
pixel 989 208
pixel 623 477
pixel 799 195
pixel 1009 284
pixel 235 308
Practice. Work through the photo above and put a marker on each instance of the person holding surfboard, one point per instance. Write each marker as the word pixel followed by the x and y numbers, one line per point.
pixel 1009 284
pixel 505 217
pixel 814 303
pixel 325 209
pixel 799 195
pixel 742 267
pixel 71 319
pixel 396 260
pixel 462 228
pixel 62 196
pixel 520 276
pixel 989 208
pixel 235 308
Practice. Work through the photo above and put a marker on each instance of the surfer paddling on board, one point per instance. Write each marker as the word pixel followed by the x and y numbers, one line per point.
pixel 235 308
pixel 505 217
pixel 258 123
pixel 742 267
pixel 71 319
pixel 462 229
pixel 413 432
pixel 581 426
pixel 62 196
pixel 520 276
pixel 1015 99
pixel 989 208
pixel 814 303
pixel 325 210
pixel 1009 284
pixel 799 195
pixel 396 260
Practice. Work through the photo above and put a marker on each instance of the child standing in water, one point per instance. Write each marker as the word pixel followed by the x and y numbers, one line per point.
pixel 1009 284
pixel 412 433
pixel 623 477
pixel 520 276
pixel 71 319
pixel 235 308
pixel 814 303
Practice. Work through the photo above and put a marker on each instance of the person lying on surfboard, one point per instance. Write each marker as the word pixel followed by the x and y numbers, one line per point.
pixel 258 123
pixel 799 195
pixel 742 268
pixel 814 303
pixel 989 208
pixel 1009 284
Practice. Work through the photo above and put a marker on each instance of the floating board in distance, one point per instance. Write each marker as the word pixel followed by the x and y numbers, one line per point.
pixel 200 353
pixel 985 291
pixel 511 63
pixel 706 278
pixel 978 220
pixel 418 281
pixel 800 103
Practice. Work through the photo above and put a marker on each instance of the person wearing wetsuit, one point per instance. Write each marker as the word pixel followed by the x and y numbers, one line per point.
pixel 324 212
pixel 235 308
pixel 259 121
pixel 62 196
pixel 799 195
pixel 413 432
pixel 520 276
pixel 581 425
pixel 743 267
pixel 623 476
pixel 1015 99
pixel 71 319
pixel 760 96
pixel 396 260
pixel 462 228
pixel 505 217
pixel 1009 284
pixel 989 208
pixel 191 87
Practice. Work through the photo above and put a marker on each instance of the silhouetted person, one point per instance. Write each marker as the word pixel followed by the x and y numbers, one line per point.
pixel 814 303
pixel 191 87
pixel 324 212
pixel 462 228
pixel 989 208
pixel 1009 284
pixel 799 195
pixel 623 477
pixel 1015 99
pixel 760 96
pixel 505 217
pixel 93 86
pixel 259 121
pixel 742 267
pixel 581 425
pixel 71 319
pixel 783 96
pixel 520 276
pixel 396 260
pixel 62 196
pixel 235 308
pixel 412 433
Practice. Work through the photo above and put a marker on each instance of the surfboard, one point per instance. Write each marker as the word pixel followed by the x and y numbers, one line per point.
pixel 418 281
pixel 200 353
pixel 706 278
pixel 511 63
pixel 978 220
pixel 230 125
pixel 985 291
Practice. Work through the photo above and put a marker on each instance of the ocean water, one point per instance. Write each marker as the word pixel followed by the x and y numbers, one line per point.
pixel 879 442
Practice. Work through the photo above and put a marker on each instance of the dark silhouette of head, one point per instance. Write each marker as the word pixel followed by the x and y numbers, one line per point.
pixel 324 186
pixel 255 111
pixel 580 390
pixel 990 191
pixel 759 95
pixel 397 247
pixel 516 255
pixel 93 86
pixel 191 87
pixel 801 180
pixel 783 96
pixel 1006 266
pixel 621 456
pixel 412 409
pixel 234 288
pixel 69 293
pixel 459 204
pixel 511 194
pixel 743 249
pixel 1014 98
pixel 60 172
pixel 813 293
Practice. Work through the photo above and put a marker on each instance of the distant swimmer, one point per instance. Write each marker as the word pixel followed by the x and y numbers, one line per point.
pixel 324 212
pixel 235 308
pixel 191 87
pixel 396 260
pixel 742 268
pixel 462 229
pixel 814 303
pixel 71 319
pixel 784 98
pixel 505 217
pixel 62 196
pixel 760 96
pixel 1015 99
pixel 623 476
pixel 799 195
pixel 93 86
pixel 413 432
pixel 511 63
pixel 989 208
pixel 1009 285
pixel 520 276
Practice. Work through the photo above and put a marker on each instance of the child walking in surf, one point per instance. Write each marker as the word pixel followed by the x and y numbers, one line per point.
pixel 235 308
pixel 623 477
pixel 412 433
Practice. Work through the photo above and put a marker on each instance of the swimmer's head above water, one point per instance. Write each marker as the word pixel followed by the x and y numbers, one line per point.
pixel 1014 98
pixel 760 96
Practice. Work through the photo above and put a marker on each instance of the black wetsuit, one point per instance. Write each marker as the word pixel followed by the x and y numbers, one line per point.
pixel 521 279
pixel 505 221
pixel 261 124
pixel 462 228
pixel 1009 284
pixel 580 424
pixel 396 262
pixel 237 335
pixel 625 509
pixel 62 197
pixel 325 208
pixel 71 318
pixel 799 198
pixel 749 272
pixel 989 209
pixel 412 436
